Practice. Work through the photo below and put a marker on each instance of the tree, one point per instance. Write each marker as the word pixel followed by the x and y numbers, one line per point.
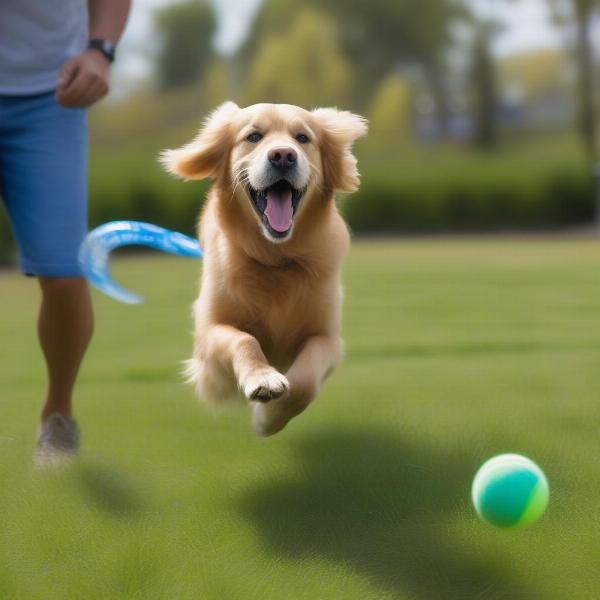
pixel 390 113
pixel 187 30
pixel 272 18
pixel 377 36
pixel 581 13
pixel 587 113
pixel 381 34
pixel 536 72
pixel 300 65
pixel 217 83
pixel 483 83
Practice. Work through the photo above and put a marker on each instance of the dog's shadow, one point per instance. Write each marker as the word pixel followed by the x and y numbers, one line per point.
pixel 368 500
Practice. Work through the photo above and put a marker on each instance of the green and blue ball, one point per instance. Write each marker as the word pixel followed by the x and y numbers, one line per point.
pixel 510 491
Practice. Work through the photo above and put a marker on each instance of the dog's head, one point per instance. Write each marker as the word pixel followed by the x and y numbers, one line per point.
pixel 273 160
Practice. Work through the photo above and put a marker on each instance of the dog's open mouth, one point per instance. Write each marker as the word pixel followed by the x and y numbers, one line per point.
pixel 276 206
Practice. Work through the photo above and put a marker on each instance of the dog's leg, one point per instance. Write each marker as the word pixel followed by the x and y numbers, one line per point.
pixel 241 353
pixel 318 357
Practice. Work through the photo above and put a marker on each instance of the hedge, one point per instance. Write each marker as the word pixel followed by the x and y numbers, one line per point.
pixel 462 193
pixel 477 197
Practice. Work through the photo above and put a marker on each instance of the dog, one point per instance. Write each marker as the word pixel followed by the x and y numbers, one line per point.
pixel 268 317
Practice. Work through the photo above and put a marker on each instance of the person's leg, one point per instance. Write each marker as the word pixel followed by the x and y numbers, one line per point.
pixel 65 329
pixel 43 180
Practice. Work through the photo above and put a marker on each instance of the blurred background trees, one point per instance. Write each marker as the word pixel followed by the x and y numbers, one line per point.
pixel 390 115
pixel 436 56
pixel 380 35
pixel 483 84
pixel 185 32
pixel 580 15
pixel 465 133
pixel 299 62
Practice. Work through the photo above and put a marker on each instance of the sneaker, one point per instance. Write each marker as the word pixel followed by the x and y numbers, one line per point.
pixel 58 441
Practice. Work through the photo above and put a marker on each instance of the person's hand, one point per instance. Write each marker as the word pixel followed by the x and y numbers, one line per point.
pixel 83 80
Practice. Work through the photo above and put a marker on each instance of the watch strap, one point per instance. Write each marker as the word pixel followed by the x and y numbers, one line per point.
pixel 104 47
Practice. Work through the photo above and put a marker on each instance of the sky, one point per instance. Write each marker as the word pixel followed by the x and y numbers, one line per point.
pixel 527 27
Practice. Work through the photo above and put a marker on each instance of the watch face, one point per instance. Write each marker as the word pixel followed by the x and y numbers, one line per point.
pixel 107 46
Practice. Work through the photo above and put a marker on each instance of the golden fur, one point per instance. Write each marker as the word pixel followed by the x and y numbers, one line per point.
pixel 269 307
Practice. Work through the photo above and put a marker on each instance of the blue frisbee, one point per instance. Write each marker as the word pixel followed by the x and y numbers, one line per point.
pixel 95 250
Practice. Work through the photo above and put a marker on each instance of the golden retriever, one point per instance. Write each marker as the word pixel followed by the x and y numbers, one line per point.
pixel 268 318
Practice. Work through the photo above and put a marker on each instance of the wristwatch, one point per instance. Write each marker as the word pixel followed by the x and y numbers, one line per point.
pixel 104 47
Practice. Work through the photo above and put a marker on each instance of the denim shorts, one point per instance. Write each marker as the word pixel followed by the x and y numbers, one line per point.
pixel 43 181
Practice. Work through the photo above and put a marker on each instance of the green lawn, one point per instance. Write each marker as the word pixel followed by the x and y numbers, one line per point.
pixel 456 351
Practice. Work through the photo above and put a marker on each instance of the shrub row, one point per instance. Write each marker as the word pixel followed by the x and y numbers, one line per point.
pixel 482 196
pixel 464 194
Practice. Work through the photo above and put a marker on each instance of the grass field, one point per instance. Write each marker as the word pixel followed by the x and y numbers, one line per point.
pixel 456 351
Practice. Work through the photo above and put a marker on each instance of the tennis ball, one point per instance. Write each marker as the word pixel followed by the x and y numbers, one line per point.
pixel 510 491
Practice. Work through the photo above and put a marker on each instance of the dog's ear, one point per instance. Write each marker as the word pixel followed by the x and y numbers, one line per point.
pixel 339 129
pixel 203 156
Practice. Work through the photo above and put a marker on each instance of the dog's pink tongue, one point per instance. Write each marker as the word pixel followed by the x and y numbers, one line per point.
pixel 279 209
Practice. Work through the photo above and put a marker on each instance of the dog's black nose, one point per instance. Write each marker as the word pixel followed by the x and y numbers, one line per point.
pixel 282 158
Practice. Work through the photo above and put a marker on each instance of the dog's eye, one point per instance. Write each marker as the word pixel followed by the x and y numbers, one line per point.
pixel 254 137
pixel 302 138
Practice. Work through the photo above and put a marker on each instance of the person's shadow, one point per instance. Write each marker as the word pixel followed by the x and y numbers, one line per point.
pixel 108 489
pixel 370 501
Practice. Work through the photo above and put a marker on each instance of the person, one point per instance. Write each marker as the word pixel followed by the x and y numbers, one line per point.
pixel 55 59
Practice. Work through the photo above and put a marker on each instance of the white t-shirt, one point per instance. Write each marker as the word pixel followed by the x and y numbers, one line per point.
pixel 36 38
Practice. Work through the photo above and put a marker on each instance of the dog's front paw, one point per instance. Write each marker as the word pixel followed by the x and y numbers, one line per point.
pixel 265 385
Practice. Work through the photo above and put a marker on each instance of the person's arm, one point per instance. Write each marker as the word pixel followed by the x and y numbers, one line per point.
pixel 84 79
